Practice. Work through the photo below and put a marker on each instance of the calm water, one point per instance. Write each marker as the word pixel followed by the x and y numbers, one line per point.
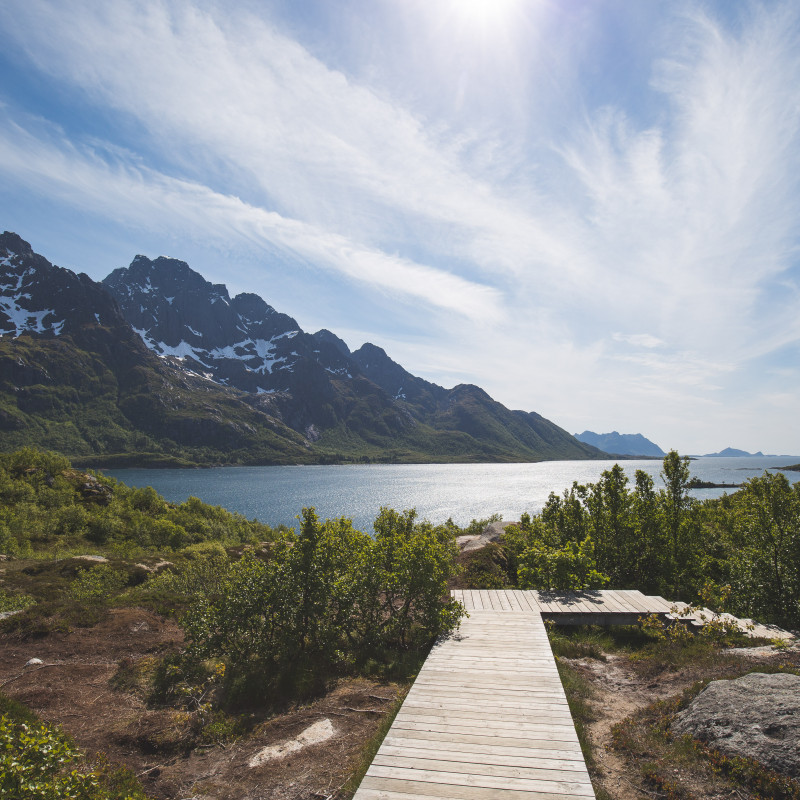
pixel 462 491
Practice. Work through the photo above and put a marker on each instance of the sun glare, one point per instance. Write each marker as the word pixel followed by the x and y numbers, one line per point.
pixel 484 11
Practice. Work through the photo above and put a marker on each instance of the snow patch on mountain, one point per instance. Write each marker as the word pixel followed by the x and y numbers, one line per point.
pixel 23 319
pixel 246 351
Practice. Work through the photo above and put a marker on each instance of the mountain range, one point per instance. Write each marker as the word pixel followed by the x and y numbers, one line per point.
pixel 621 444
pixel 155 365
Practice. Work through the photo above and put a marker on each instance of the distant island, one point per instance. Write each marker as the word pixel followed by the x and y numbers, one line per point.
pixel 696 483
pixel 732 452
pixel 621 444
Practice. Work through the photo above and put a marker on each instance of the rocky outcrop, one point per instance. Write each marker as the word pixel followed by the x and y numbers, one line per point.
pixel 756 716
pixel 491 533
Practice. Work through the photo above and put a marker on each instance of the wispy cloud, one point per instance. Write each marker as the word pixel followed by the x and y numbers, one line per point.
pixel 147 198
pixel 284 130
pixel 648 259
pixel 638 339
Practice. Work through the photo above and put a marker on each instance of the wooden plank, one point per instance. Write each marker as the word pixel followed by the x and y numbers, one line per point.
pixel 546 748
pixel 451 756
pixel 488 604
pixel 590 605
pixel 527 600
pixel 536 719
pixel 546 605
pixel 561 734
pixel 554 772
pixel 574 787
pixel 621 601
pixel 486 750
pixel 660 605
pixel 388 789
pixel 477 600
pixel 530 706
pixel 637 599
pixel 482 694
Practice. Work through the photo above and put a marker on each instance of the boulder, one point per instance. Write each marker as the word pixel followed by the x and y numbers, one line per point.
pixel 313 734
pixel 757 716
pixel 491 533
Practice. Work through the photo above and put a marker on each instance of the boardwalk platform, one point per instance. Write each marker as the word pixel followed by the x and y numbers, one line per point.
pixel 487 717
pixel 590 607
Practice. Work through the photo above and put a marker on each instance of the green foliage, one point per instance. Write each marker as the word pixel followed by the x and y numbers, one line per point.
pixel 487 568
pixel 763 531
pixel 323 600
pixel 47 506
pixel 582 643
pixel 201 572
pixel 39 762
pixel 567 568
pixel 579 694
pixel 14 602
pixel 742 550
pixel 97 585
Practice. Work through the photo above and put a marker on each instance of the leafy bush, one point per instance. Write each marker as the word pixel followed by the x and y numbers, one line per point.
pixel 14 602
pixel 47 506
pixel 38 762
pixel 97 585
pixel 324 600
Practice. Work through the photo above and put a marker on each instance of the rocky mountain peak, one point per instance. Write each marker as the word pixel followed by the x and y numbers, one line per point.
pixel 38 297
pixel 325 335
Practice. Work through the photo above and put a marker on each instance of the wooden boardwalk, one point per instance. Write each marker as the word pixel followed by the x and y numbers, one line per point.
pixel 486 718
pixel 589 607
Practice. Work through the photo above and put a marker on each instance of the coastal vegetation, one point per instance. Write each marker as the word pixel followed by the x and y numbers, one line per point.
pixel 740 552
pixel 271 618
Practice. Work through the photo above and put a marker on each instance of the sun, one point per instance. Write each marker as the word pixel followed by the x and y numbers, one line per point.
pixel 484 11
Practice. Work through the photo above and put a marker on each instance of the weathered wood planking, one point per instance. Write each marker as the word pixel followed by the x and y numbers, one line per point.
pixel 600 606
pixel 486 717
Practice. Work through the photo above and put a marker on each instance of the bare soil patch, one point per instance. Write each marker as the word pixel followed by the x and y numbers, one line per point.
pixel 624 687
pixel 74 688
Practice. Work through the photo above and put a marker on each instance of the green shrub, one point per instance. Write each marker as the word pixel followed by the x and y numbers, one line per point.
pixel 14 602
pixel 38 762
pixel 97 585
pixel 326 599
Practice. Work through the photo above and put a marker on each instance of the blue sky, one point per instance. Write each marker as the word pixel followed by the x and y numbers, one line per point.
pixel 590 208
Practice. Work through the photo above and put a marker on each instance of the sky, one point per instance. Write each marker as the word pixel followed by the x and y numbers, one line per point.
pixel 589 208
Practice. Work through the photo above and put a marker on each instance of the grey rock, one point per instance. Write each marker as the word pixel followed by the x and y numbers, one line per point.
pixel 491 533
pixel 757 716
